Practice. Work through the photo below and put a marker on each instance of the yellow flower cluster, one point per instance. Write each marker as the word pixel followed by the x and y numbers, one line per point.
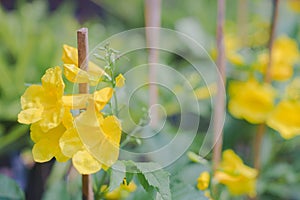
pixel 255 103
pixel 232 45
pixel 90 139
pixel 239 178
pixel 251 100
pixel 285 54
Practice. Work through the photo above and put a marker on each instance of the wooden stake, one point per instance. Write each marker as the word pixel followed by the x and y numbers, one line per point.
pixel 220 97
pixel 152 17
pixel 268 78
pixel 82 45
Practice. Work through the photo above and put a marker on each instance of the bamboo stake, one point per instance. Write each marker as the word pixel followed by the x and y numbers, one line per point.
pixel 82 44
pixel 261 128
pixel 242 21
pixel 220 96
pixel 152 19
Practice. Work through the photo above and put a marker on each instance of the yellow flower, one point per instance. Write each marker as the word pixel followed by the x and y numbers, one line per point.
pixel 47 143
pixel 294 5
pixel 203 181
pixel 120 80
pixel 285 119
pixel 91 140
pixel 285 55
pixel 104 134
pixel 72 71
pixel 43 104
pixel 251 101
pixel 71 146
pixel 239 178
pixel 121 192
pixel 232 45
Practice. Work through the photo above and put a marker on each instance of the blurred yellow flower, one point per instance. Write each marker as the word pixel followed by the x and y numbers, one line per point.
pixel 294 5
pixel 203 181
pixel 285 55
pixel 43 104
pixel 251 100
pixel 285 119
pixel 121 192
pixel 72 71
pixel 239 178
pixel 120 80
pixel 232 45
pixel 206 92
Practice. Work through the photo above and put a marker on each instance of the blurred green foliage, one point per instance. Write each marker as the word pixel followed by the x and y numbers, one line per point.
pixel 31 41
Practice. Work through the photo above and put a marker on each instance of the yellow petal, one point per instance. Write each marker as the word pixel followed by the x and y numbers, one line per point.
pixel 111 127
pixel 285 119
pixel 44 150
pixel 101 97
pixel 120 80
pixel 32 104
pixel 85 163
pixel 74 74
pixel 60 157
pixel 67 119
pixel 102 147
pixel 70 142
pixel 77 75
pixel 70 55
pixel 53 83
pixel 51 118
pixel 76 101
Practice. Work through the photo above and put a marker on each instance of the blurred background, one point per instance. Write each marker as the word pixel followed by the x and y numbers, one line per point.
pixel 32 34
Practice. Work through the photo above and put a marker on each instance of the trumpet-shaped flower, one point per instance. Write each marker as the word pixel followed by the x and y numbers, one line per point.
pixel 91 140
pixel 72 71
pixel 203 181
pixel 72 146
pixel 284 55
pixel 239 178
pixel 43 104
pixel 251 100
pixel 285 119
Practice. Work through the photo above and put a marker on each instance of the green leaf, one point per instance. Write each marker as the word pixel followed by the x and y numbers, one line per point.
pixel 182 191
pixel 159 179
pixel 117 174
pixel 9 189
